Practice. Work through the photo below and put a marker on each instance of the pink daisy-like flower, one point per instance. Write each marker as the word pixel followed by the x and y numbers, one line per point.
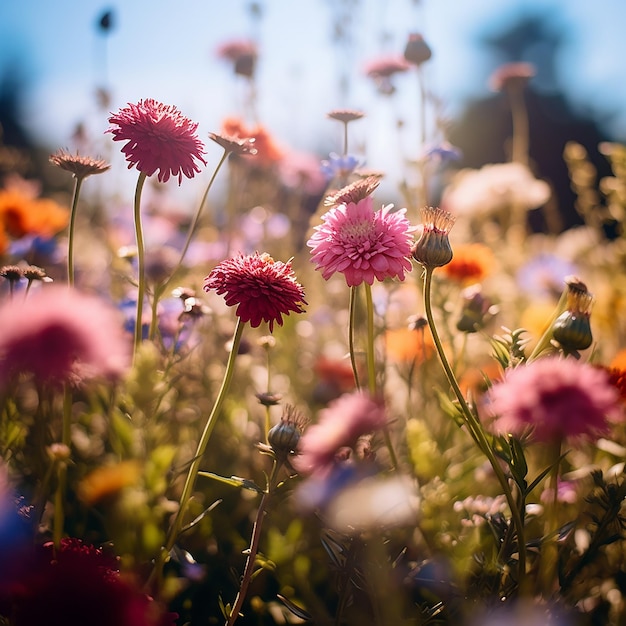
pixel 158 137
pixel 361 243
pixel 555 398
pixel 262 289
pixel 59 334
pixel 340 424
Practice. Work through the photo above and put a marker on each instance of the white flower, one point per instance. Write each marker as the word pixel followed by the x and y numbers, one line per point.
pixel 493 188
pixel 375 503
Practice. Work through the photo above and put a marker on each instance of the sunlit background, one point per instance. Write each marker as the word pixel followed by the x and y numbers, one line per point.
pixel 55 56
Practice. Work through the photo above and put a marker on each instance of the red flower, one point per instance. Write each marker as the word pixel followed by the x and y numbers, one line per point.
pixel 262 288
pixel 158 137
pixel 79 584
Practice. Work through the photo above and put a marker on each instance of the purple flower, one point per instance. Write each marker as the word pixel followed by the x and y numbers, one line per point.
pixel 340 166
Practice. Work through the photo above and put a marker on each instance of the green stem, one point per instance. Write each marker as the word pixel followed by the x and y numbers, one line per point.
pixel 549 548
pixel 351 330
pixel 72 227
pixel 519 114
pixel 194 467
pixel 371 363
pixel 196 217
pixel 371 367
pixel 59 496
pixel 544 340
pixel 253 550
pixel 141 270
pixel 159 290
pixel 423 164
pixel 476 430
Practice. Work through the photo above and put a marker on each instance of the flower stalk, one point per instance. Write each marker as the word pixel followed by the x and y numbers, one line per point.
pixel 253 550
pixel 203 442
pixel 476 430
pixel 141 261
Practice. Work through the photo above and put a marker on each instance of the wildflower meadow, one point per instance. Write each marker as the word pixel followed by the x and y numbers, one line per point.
pixel 303 398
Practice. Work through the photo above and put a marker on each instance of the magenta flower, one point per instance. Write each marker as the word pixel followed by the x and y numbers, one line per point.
pixel 158 137
pixel 339 425
pixel 59 334
pixel 554 398
pixel 361 243
pixel 262 289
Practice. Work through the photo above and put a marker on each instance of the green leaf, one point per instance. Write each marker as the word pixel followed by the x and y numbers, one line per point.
pixel 233 481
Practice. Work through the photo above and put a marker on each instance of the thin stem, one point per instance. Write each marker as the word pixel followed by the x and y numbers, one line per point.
pixel 160 289
pixel 519 114
pixel 196 217
pixel 70 239
pixel 59 496
pixel 371 366
pixel 351 330
pixel 141 290
pixel 422 162
pixel 544 340
pixel 253 550
pixel 345 138
pixel 194 467
pixel 549 550
pixel 475 429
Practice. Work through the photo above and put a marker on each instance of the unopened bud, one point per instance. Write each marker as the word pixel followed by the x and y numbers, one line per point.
pixel 433 248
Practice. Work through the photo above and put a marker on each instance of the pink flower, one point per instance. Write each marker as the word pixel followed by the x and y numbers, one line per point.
pixel 556 398
pixel 262 288
pixel 243 54
pixel 59 334
pixel 361 243
pixel 339 425
pixel 158 137
pixel 386 66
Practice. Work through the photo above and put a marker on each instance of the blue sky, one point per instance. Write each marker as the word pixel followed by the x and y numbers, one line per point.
pixel 167 53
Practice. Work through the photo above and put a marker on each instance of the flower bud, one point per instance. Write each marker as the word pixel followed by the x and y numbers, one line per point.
pixel 477 310
pixel 284 436
pixel 417 51
pixel 433 248
pixel 572 328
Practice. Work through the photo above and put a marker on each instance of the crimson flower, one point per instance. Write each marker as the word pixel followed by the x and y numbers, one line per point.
pixel 361 243
pixel 262 289
pixel 158 137
pixel 555 398
pixel 76 584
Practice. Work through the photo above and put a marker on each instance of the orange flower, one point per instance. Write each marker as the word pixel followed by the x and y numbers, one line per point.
pixel 405 345
pixel 107 481
pixel 619 360
pixel 23 215
pixel 475 380
pixel 267 150
pixel 471 263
